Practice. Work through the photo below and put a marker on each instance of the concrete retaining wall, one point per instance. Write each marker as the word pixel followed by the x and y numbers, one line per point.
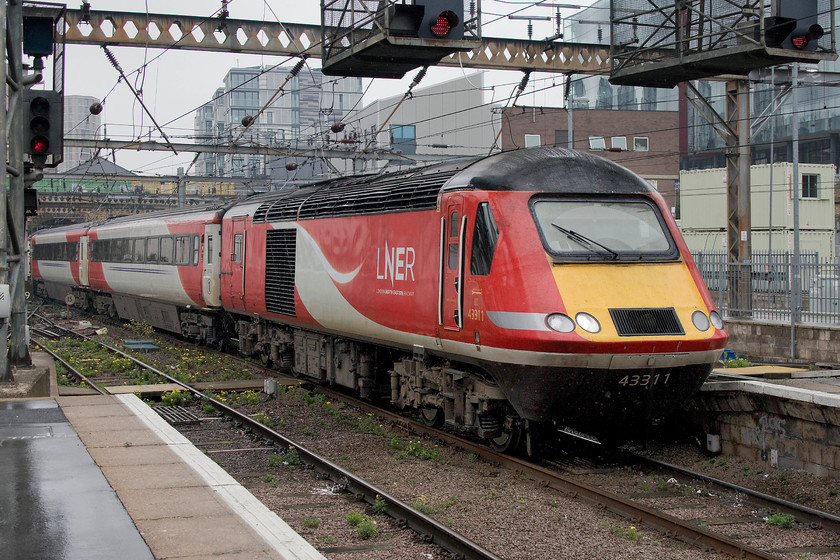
pixel 771 341
pixel 778 431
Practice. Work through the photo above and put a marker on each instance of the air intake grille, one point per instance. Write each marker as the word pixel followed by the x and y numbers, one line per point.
pixel 353 196
pixel 280 271
pixel 646 322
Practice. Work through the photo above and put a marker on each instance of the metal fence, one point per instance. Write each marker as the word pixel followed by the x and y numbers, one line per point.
pixel 763 289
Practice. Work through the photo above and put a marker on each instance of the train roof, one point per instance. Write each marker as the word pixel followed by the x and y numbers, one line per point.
pixel 169 213
pixel 544 169
pixel 550 169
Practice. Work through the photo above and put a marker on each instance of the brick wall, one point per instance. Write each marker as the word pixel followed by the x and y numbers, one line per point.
pixel 661 162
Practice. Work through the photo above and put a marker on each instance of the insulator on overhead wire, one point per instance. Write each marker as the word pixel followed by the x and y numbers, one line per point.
pixel 524 81
pixel 294 71
pixel 247 120
pixel 112 59
pixel 291 166
pixel 420 75
pixel 337 127
pixel 95 108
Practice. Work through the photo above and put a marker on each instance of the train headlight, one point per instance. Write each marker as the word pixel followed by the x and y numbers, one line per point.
pixel 700 320
pixel 717 320
pixel 588 323
pixel 560 323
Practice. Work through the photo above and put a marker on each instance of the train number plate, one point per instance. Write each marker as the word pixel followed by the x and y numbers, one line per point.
pixel 645 380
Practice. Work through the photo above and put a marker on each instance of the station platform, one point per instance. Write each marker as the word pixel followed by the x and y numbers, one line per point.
pixel 785 418
pixel 104 477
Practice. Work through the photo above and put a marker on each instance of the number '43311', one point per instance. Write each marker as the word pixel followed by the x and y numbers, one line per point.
pixel 644 380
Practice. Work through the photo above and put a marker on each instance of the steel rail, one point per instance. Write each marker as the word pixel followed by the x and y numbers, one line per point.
pixel 816 517
pixel 76 373
pixel 662 522
pixel 453 542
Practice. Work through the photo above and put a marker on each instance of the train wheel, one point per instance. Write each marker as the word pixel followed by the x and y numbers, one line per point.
pixel 508 441
pixel 432 416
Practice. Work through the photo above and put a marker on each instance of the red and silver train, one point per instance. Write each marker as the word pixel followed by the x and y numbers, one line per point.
pixel 497 294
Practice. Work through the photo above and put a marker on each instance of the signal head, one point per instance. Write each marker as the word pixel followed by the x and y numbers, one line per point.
pixel 444 23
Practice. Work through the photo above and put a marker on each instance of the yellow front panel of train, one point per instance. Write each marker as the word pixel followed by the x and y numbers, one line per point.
pixel 595 288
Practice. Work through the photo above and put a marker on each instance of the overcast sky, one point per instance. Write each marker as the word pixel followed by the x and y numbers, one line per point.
pixel 175 82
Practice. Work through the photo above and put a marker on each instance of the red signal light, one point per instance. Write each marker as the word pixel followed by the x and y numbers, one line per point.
pixel 39 146
pixel 444 23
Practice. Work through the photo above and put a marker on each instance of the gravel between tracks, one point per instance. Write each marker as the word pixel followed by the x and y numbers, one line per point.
pixel 507 513
pixel 502 510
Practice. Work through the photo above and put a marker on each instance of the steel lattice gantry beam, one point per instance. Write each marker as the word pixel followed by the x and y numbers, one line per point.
pixel 296 39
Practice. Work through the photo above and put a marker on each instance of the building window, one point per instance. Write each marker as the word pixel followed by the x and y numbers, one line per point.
pixel 640 144
pixel 404 138
pixel 236 115
pixel 597 143
pixel 238 78
pixel 605 93
pixel 810 186
pixel 532 140
pixel 618 142
pixel 244 98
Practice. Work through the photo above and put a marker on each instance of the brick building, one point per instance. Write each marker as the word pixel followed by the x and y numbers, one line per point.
pixel 646 142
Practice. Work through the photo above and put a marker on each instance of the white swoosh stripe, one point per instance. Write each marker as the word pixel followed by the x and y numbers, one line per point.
pixel 315 250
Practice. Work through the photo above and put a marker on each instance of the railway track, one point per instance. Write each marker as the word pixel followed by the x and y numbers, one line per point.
pixel 403 514
pixel 644 508
pixel 640 508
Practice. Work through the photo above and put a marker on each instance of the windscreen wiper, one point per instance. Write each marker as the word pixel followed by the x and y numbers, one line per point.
pixel 584 241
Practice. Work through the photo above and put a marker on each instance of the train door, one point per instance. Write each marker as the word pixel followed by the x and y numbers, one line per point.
pixel 84 251
pixel 453 235
pixel 211 268
pixel 237 260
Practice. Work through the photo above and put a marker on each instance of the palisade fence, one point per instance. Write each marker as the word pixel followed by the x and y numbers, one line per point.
pixel 767 289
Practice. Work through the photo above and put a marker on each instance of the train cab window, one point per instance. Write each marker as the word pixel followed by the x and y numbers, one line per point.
pixel 196 250
pixel 453 256
pixel 602 229
pixel 167 248
pixel 237 248
pixel 152 249
pixel 139 250
pixel 485 235
pixel 452 261
pixel 209 249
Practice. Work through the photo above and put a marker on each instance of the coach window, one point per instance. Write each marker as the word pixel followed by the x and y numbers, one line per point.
pixel 209 249
pixel 127 249
pixel 182 250
pixel 152 248
pixel 139 250
pixel 166 249
pixel 237 248
pixel 485 235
